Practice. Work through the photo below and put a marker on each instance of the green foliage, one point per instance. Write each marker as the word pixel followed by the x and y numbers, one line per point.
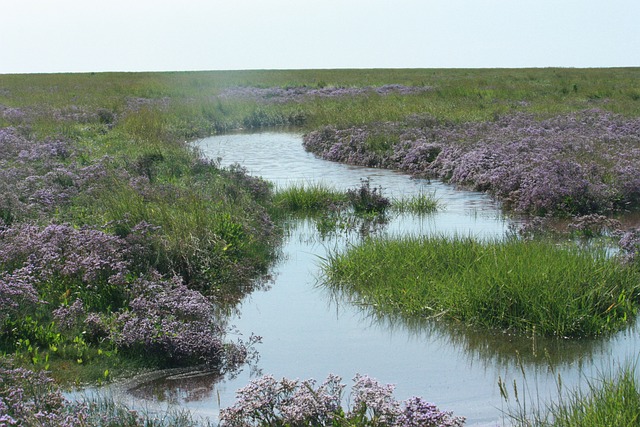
pixel 211 225
pixel 308 199
pixel 610 399
pixel 524 286
pixel 423 203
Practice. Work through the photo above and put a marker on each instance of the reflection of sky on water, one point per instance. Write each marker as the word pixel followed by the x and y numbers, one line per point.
pixel 309 333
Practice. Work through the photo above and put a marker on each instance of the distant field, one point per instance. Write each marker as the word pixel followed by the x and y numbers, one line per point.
pixel 189 103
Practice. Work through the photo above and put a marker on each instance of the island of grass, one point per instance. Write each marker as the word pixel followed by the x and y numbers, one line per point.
pixel 519 286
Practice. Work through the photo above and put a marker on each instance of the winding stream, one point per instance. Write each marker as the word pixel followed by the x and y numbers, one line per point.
pixel 308 333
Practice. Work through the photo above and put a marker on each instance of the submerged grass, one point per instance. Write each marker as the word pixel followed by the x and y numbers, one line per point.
pixel 528 287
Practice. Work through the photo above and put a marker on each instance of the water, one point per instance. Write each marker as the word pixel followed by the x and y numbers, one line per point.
pixel 308 333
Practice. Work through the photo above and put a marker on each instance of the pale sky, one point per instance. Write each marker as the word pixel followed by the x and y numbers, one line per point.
pixel 178 35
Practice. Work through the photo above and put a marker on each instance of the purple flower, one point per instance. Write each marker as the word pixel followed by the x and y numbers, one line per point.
pixel 578 163
pixel 267 401
pixel 166 318
pixel 420 413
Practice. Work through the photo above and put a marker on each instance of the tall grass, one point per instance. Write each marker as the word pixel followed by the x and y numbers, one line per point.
pixel 308 199
pixel 610 399
pixel 419 204
pixel 530 287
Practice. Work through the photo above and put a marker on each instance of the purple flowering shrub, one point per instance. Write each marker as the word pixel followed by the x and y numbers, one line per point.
pixel 367 200
pixel 267 401
pixel 17 293
pixel 578 163
pixel 31 398
pixel 167 320
pixel 630 244
pixel 64 262
pixel 39 177
pixel 86 282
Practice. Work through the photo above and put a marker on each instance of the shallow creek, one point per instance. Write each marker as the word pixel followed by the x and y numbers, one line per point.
pixel 308 333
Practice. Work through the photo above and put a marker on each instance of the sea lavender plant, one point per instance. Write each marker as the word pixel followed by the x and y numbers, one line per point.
pixel 417 412
pixel 374 401
pixel 575 164
pixel 170 321
pixel 29 398
pixel 368 200
pixel 302 93
pixel 60 250
pixel 267 401
pixel 17 292
pixel 630 244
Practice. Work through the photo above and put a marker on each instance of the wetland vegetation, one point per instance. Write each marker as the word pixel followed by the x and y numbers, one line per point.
pixel 526 287
pixel 123 248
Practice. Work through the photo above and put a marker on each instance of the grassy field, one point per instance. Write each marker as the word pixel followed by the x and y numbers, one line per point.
pixel 193 103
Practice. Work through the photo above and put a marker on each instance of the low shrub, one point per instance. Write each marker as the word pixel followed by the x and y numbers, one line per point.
pixel 269 402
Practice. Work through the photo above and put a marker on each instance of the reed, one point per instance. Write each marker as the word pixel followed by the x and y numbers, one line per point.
pixel 529 287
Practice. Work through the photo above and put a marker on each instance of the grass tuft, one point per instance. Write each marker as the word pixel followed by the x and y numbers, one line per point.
pixel 308 199
pixel 420 204
pixel 610 399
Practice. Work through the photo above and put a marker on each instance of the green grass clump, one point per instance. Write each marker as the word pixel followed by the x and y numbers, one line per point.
pixel 422 203
pixel 308 199
pixel 608 400
pixel 529 287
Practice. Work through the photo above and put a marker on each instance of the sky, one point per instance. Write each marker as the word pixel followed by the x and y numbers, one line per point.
pixel 42 36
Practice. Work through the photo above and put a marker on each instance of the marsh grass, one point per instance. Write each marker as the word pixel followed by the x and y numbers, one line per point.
pixel 419 204
pixel 308 199
pixel 207 231
pixel 106 411
pixel 609 399
pixel 530 287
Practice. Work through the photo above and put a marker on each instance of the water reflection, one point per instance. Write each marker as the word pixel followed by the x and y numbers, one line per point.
pixel 175 387
pixel 497 349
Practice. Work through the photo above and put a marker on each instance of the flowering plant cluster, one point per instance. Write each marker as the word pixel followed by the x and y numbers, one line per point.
pixel 166 318
pixel 38 177
pixel 575 164
pixel 31 398
pixel 268 402
pixel 101 274
pixel 86 278
pixel 630 244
